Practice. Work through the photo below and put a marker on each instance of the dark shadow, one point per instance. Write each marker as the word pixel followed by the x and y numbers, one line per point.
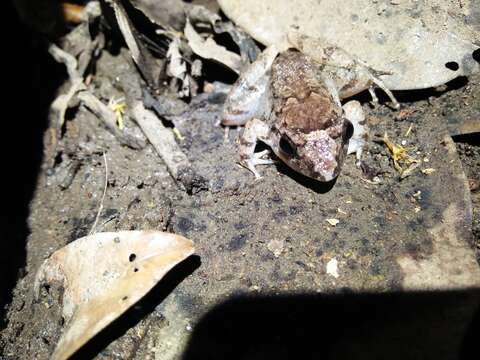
pixel 139 310
pixel 312 184
pixel 29 80
pixel 411 96
pixel 315 185
pixel 472 139
pixel 419 325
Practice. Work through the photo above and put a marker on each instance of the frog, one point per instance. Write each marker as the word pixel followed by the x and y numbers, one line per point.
pixel 290 99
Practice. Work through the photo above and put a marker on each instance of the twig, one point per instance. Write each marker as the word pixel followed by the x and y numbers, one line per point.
pixel 109 118
pixel 103 196
pixel 164 143
pixel 60 104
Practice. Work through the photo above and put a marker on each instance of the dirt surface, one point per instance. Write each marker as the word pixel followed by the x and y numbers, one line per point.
pixel 262 239
pixel 469 151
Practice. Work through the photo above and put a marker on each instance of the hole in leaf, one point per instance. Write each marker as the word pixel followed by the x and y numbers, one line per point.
pixel 476 55
pixel 452 65
pixel 132 257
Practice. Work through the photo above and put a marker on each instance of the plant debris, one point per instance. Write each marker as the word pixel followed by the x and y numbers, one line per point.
pixel 333 222
pixel 146 86
pixel 403 162
pixel 437 42
pixel 103 275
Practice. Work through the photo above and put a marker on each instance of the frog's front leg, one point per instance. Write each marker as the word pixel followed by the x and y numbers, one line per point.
pixel 255 130
pixel 353 112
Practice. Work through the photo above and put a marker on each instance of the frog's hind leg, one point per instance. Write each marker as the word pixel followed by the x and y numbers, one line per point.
pixel 254 130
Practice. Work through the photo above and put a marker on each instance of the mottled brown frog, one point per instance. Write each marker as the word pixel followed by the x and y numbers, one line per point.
pixel 284 101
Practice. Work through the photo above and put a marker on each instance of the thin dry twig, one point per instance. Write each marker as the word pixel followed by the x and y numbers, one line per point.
pixel 164 143
pixel 109 118
pixel 60 104
pixel 100 208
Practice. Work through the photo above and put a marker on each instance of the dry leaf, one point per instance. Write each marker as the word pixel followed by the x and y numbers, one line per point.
pixel 437 41
pixel 103 275
pixel 177 67
pixel 209 49
pixel 428 171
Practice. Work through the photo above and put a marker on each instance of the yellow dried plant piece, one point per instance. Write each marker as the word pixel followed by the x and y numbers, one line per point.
pixel 118 106
pixel 178 134
pixel 399 155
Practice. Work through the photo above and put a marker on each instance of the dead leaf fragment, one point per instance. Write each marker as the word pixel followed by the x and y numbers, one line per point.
pixel 103 275
pixel 146 63
pixel 436 37
pixel 332 221
pixel 209 49
pixel 177 67
pixel 428 171
pixel 400 157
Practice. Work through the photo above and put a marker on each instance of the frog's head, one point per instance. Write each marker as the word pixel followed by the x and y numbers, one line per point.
pixel 317 154
pixel 311 135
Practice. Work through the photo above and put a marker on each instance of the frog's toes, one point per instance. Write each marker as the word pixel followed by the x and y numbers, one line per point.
pixel 250 165
pixel 379 83
pixel 371 90
pixel 256 159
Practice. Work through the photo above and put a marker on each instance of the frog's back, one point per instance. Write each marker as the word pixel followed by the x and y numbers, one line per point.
pixel 301 101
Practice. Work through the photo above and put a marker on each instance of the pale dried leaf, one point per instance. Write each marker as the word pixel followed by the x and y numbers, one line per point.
pixel 209 49
pixel 414 40
pixel 332 221
pixel 103 275
pixel 177 67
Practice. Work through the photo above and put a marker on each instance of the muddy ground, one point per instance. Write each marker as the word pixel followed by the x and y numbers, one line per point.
pixel 262 246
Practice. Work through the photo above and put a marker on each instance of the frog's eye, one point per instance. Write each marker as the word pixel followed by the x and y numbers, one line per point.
pixel 348 130
pixel 287 146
